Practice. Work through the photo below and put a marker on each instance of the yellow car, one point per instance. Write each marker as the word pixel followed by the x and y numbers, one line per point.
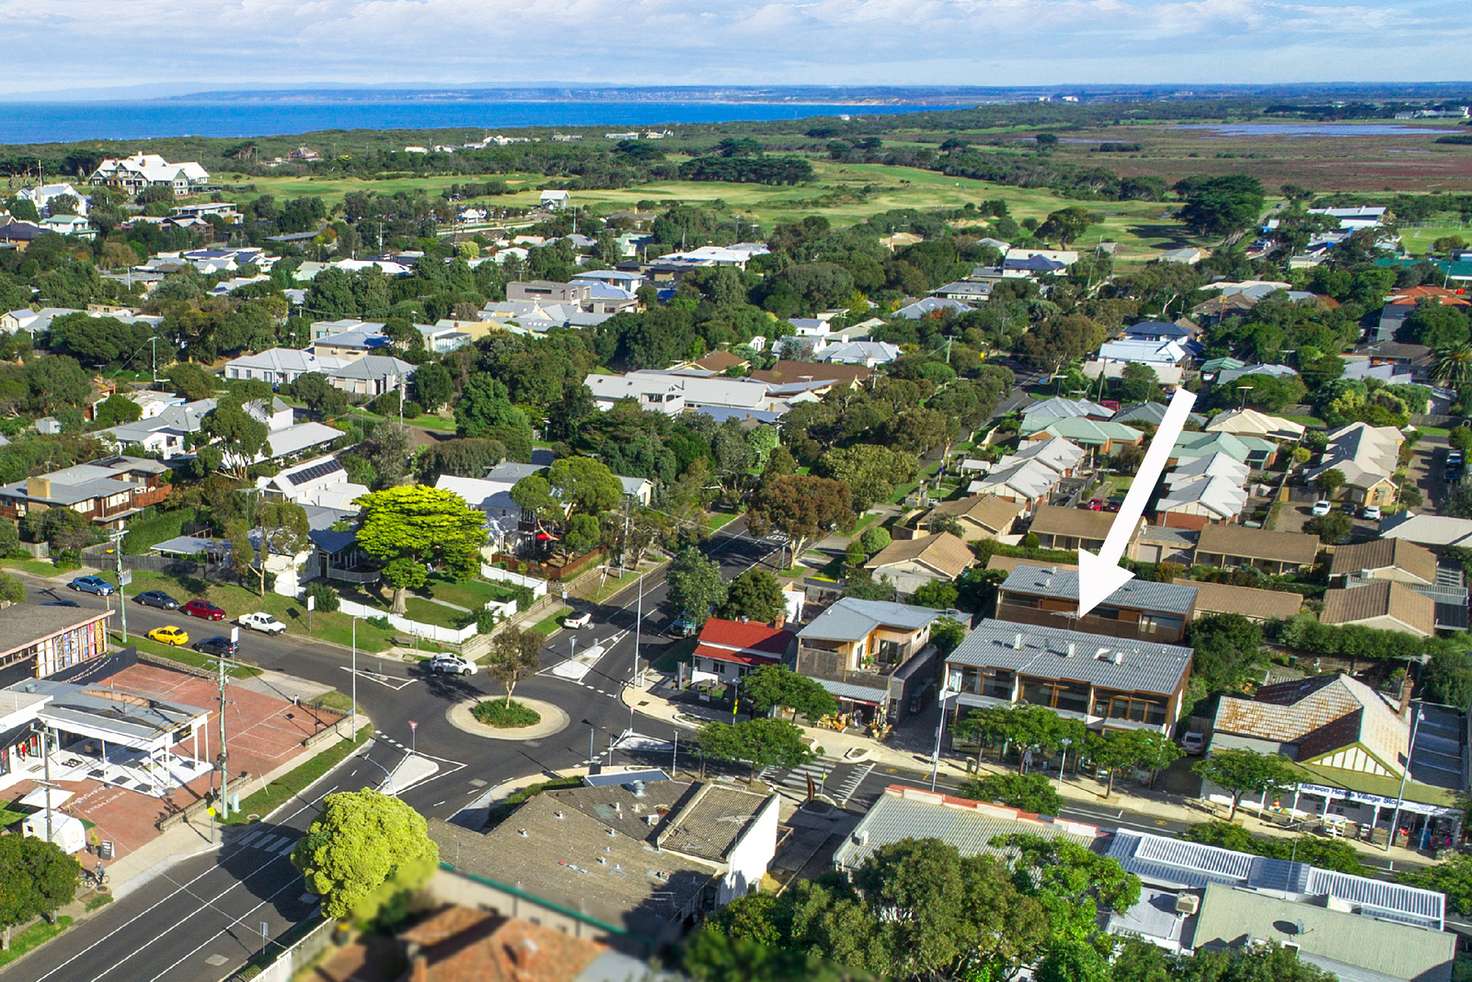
pixel 170 635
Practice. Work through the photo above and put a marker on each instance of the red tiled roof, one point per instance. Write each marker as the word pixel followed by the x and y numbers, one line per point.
pixel 1415 294
pixel 743 642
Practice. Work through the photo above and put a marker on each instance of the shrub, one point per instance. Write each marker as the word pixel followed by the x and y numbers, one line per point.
pixel 501 713
pixel 1029 792
pixel 325 598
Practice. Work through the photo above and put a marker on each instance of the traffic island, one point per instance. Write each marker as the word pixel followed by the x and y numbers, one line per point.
pixel 543 718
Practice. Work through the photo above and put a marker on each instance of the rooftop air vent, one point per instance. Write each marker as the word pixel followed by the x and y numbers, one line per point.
pixel 522 833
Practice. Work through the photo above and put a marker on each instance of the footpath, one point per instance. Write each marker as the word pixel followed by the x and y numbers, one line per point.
pixel 1129 804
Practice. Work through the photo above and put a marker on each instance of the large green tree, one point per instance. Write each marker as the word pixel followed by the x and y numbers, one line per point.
pixel 1240 771
pixel 800 507
pixel 760 742
pixel 36 880
pixel 756 595
pixel 696 585
pixel 363 850
pixel 412 528
pixel 237 435
pixel 773 686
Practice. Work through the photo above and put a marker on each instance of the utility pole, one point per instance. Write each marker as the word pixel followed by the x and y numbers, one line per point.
pixel 46 779
pixel 117 552
pixel 224 751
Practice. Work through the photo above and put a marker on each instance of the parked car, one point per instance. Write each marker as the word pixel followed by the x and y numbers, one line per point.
pixel 92 584
pixel 217 646
pixel 574 622
pixel 156 598
pixel 170 634
pixel 1371 513
pixel 1322 508
pixel 204 610
pixel 1095 504
pixel 446 664
pixel 261 621
pixel 682 627
pixel 1193 743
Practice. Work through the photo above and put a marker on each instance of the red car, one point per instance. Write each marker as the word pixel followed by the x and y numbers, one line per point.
pixel 1095 504
pixel 204 610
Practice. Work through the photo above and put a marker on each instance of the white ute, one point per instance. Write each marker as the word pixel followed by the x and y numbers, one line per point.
pixel 261 621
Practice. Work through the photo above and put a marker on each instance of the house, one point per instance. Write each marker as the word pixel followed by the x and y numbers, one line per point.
pixel 719 363
pixel 672 393
pixel 73 225
pixel 1030 474
pixel 19 235
pixel 725 650
pixel 38 641
pixel 1252 450
pixel 1352 743
pixel 737 254
pixel 869 354
pixel 149 170
pixel 1048 596
pixel 321 481
pixel 1074 528
pixel 1367 456
pixel 931 307
pixel 873 655
pixel 1104 437
pixel 279 366
pixel 554 200
pixel 166 431
pixel 104 491
pixel 1193 502
pixel 1188 255
pixel 1251 602
pixel 1273 552
pixel 1038 261
pixel 639 490
pixel 1108 683
pixel 969 825
pixel 492 495
pixel 969 292
pixel 1039 416
pixel 648 857
pixel 1440 531
pixel 371 376
pixel 33 322
pixel 1405 562
pixel 980 516
pixel 1402 303
pixel 1158 331
pixel 1250 422
pixel 1387 605
pixel 1151 414
pixel 1230 376
pixel 42 196
pixel 912 563
pixel 831 374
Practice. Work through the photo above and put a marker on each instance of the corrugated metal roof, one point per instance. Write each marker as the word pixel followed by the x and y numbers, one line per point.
pixel 1050 652
pixel 851 618
pixel 847 690
pixel 1048 581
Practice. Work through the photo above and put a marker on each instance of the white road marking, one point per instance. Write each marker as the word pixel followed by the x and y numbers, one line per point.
pixel 394 682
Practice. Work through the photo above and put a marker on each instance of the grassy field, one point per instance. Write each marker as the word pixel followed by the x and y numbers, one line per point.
pixel 33 937
pixel 35 567
pixel 843 193
pixel 1417 239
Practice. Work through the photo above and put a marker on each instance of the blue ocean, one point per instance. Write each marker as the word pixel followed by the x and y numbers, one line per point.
pixel 54 122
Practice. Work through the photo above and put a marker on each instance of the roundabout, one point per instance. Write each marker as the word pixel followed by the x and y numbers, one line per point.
pixel 551 719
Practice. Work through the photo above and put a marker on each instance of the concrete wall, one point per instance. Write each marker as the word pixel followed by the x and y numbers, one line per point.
pixel 751 855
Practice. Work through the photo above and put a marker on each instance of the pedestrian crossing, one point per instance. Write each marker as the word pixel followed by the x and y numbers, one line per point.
pixel 845 779
pixel 269 842
pixel 833 778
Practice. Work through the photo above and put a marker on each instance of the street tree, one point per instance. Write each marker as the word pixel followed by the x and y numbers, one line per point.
pixel 1029 792
pixel 39 879
pixel 362 851
pixel 801 507
pixel 773 686
pixel 585 485
pixel 760 742
pixel 1240 771
pixel 871 472
pixel 412 529
pixel 1117 750
pixel 756 595
pixel 237 434
pixel 1071 882
pixel 515 654
pixel 280 527
pixel 696 585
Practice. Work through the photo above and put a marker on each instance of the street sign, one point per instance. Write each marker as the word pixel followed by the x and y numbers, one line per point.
pixel 413 725
pixel 125 578
pixel 311 602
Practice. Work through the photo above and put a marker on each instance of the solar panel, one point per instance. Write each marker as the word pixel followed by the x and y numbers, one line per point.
pixel 313 472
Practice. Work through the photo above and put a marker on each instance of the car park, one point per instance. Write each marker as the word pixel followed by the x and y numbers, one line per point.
pixel 204 610
pixel 219 645
pixel 156 598
pixel 574 622
pixel 1322 508
pixel 261 621
pixel 92 584
pixel 447 664
pixel 170 634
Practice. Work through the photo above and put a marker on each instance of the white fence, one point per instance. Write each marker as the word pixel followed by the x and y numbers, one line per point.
pixel 432 632
pixel 537 586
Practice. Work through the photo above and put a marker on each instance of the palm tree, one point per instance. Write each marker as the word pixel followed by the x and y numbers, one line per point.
pixel 1453 367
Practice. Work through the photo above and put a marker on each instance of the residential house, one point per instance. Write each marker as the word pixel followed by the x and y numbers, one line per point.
pixel 1351 744
pixel 737 254
pixel 1252 450
pixel 1187 255
pixel 980 516
pixel 1166 359
pixel 969 292
pixel 105 491
pixel 625 279
pixel 42 195
pixel 1228 375
pixel 1367 456
pixel 1196 501
pixel 73 225
pixel 19 235
pixel 1107 683
pixel 1250 422
pixel 869 354
pixel 1141 609
pixel 1038 416
pixel 554 200
pixel 350 344
pixel 1103 437
pixel 1030 474
pixel 1387 605
pixel 278 366
pixel 873 655
pixel 149 170
pixel 971 826
pixel 1402 303
pixel 931 307
pixel 1159 331
pixel 725 650
pixel 492 495
pixel 1406 562
pixel 1038 261
pixel 831 375
pixel 1253 603
pixel 1438 531
pixel 168 431
pixel 1074 528
pixel 363 374
pixel 648 857
pixel 371 376
pixel 912 563
pixel 717 363
pixel 1274 552
pixel 673 393
pixel 321 481
pixel 1151 414
pixel 33 322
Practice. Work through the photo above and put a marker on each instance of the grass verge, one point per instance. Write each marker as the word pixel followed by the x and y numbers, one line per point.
pixel 98 900
pixel 186 656
pixel 503 714
pixel 33 937
pixel 551 623
pixel 292 783
pixel 35 567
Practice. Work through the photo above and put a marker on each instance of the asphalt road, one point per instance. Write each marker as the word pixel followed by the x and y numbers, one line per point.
pixel 202 917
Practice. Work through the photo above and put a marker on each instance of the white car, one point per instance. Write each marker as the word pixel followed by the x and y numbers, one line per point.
pixel 1322 508
pixel 1193 743
pixel 447 664
pixel 575 621
pixel 1371 513
pixel 261 621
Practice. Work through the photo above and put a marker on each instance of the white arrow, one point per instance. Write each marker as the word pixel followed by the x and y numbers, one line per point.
pixel 1101 575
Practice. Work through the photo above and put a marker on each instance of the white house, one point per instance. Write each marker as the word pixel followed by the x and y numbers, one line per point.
pixel 321 481
pixel 149 170
pixel 41 197
pixel 554 200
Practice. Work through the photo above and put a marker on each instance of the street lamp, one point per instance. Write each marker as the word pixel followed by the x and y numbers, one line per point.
pixel 951 688
pixel 1063 764
pixel 1404 774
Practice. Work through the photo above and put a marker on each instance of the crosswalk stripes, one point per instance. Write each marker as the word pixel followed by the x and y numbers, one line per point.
pixel 845 780
pixel 252 837
pixel 796 778
pixel 284 847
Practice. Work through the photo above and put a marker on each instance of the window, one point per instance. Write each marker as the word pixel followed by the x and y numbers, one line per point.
pixel 1134 709
pixel 1068 696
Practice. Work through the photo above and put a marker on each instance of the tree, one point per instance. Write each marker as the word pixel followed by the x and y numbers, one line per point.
pixel 771 686
pixel 937 594
pixel 759 742
pixel 1221 205
pixel 1241 771
pixel 1073 961
pixel 1332 529
pixel 1071 882
pixel 239 436
pixel 696 585
pixel 799 506
pixel 582 535
pixel 1117 750
pixel 320 395
pixel 754 595
pixel 116 409
pixel 585 485
pixel 1067 224
pixel 1030 792
pixel 412 528
pixel 514 655
pixel 1453 366
pixel 1138 382
pixel 1228 652
pixel 1329 482
pixel 1257 963
pixel 190 381
pixel 433 386
pixel 484 409
pixel 871 472
pixel 280 527
pixel 386 449
pixel 39 880
pixel 1452 877
pixel 363 850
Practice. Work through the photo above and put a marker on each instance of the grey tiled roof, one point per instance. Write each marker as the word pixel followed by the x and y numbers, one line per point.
pixel 1048 581
pixel 850 619
pixel 1044 652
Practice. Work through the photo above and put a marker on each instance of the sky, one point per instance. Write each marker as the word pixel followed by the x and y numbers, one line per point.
pixel 232 43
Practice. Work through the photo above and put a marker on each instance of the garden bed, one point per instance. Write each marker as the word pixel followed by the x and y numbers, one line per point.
pixel 506 715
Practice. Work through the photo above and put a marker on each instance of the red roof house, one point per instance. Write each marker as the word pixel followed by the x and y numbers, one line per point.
pixel 743 645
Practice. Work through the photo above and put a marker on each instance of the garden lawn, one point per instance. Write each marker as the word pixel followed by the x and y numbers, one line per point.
pixel 551 623
pixel 33 937
pixel 429 612
pixel 471 594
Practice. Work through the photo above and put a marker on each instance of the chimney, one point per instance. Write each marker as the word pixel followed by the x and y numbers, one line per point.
pixel 38 487
pixel 1406 685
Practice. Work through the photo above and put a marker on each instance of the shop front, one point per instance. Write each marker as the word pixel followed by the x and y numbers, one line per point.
pixel 1361 815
